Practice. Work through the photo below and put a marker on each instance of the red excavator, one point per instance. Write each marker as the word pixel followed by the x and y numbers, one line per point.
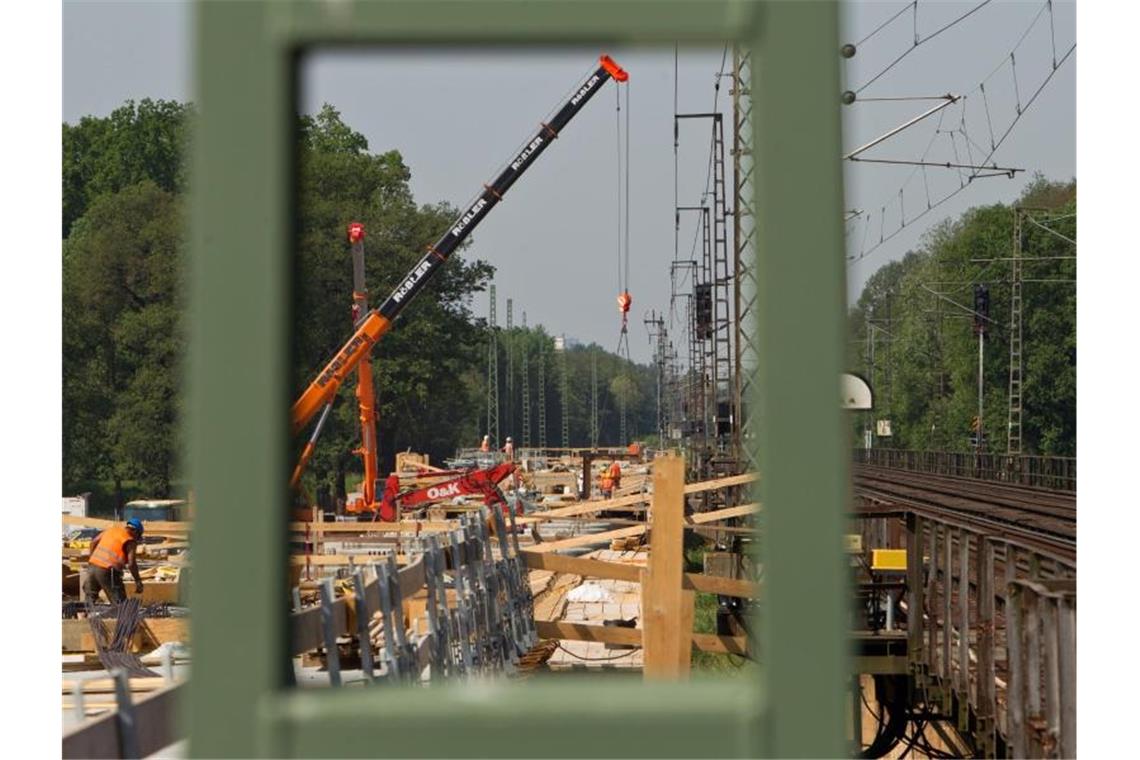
pixel 484 482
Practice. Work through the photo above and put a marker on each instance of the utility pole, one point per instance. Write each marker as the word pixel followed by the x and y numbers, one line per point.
pixel 745 282
pixel 981 316
pixel 1014 426
pixel 542 396
pixel 869 430
pixel 525 388
pixel 510 340
pixel 492 374
pixel 593 399
pixel 565 395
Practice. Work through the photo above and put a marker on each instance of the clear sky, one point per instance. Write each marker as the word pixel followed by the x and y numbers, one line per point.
pixel 456 116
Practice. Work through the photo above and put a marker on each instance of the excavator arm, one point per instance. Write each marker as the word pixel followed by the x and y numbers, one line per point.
pixel 377 322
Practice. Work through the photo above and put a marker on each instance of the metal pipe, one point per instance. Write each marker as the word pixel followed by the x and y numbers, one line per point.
pixel 901 127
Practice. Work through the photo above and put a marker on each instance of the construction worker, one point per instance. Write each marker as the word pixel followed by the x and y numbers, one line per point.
pixel 486 444
pixel 607 483
pixel 509 449
pixel 615 474
pixel 111 551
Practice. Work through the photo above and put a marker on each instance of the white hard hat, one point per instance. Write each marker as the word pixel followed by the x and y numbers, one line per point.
pixel 508 438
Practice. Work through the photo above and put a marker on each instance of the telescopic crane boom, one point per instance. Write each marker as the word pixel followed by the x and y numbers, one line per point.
pixel 378 321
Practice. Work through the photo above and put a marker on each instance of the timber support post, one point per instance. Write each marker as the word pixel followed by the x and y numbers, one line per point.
pixel 667 607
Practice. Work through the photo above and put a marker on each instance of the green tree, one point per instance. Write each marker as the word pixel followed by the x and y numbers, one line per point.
pixel 122 342
pixel 426 369
pixel 914 318
pixel 136 142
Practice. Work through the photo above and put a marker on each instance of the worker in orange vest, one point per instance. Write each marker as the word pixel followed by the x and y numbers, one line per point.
pixel 615 474
pixel 486 444
pixel 111 552
pixel 607 483
pixel 509 449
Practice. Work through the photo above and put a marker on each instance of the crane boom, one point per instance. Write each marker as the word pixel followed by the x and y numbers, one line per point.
pixel 378 321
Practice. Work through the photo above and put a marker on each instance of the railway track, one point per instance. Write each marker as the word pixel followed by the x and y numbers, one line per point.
pixel 1040 517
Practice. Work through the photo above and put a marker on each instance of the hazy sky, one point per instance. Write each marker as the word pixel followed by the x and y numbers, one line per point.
pixel 456 117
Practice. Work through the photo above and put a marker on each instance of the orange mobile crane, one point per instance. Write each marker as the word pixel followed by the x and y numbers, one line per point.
pixel 376 322
pixel 365 394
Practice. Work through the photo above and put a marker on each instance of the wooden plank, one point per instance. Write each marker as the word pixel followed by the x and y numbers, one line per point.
pixel 662 598
pixel 592 568
pixel 336 560
pixel 712 485
pixel 723 514
pixel 581 632
pixel 404 526
pixel 713 584
pixel 152 527
pixel 155 722
pixel 639 498
pixel 586 539
pixel 619 571
pixel 706 642
pixel 583 508
pixel 710 642
pixel 77 636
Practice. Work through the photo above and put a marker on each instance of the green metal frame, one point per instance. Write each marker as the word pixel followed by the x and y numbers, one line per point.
pixel 239 704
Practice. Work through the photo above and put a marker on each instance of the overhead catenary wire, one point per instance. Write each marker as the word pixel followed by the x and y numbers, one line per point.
pixel 984 166
pixel 920 41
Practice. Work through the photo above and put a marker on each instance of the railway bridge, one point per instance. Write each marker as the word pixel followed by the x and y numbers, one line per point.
pixel 967 591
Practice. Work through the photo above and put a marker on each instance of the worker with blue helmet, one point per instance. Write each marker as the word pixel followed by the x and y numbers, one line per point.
pixel 112 551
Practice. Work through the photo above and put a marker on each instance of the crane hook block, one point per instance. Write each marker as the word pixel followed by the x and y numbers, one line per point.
pixel 355 232
pixel 617 72
pixel 625 300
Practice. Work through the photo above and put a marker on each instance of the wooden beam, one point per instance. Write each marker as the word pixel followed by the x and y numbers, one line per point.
pixel 591 568
pixel 336 560
pixel 583 508
pixel 153 527
pixel 729 482
pixel 620 571
pixel 723 514
pixel 586 539
pixel 625 502
pixel 560 629
pixel 404 526
pixel 665 606
pixel 711 584
pixel 706 642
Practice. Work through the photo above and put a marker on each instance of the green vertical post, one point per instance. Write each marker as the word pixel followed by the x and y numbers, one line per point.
pixel 238 404
pixel 238 371
pixel 804 467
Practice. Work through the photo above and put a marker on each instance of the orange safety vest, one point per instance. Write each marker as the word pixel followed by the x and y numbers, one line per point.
pixel 615 472
pixel 111 552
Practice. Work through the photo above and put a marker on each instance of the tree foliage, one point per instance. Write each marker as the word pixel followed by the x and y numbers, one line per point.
pixel 123 283
pixel 911 331
pixel 122 344
pixel 102 156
